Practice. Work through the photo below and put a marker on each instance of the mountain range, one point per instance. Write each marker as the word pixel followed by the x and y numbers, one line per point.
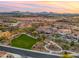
pixel 15 13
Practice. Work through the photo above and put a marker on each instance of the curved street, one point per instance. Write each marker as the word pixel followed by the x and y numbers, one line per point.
pixel 51 51
pixel 27 53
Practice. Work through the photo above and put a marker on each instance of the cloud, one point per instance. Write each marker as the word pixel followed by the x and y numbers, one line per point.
pixel 50 6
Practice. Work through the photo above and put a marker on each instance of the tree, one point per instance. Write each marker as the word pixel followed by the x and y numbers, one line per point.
pixel 39 39
pixel 67 55
pixel 29 29
pixel 6 37
pixel 78 40
pixel 1 38
pixel 57 39
pixel 72 43
pixel 34 25
pixel 65 46
pixel 34 33
pixel 43 37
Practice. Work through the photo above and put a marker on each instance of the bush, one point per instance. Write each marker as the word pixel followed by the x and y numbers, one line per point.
pixel 72 43
pixel 65 46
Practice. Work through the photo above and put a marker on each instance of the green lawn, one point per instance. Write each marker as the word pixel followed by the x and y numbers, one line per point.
pixel 23 41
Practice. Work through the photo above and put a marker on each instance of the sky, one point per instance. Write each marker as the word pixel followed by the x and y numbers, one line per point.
pixel 40 6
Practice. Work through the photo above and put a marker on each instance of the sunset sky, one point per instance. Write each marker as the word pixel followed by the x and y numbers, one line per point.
pixel 39 6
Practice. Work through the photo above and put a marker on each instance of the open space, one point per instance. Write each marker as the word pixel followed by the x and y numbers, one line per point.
pixel 24 41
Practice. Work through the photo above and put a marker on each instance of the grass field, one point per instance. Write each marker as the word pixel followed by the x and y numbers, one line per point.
pixel 23 41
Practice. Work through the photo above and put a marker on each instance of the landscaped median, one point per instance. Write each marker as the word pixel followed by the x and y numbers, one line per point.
pixel 24 41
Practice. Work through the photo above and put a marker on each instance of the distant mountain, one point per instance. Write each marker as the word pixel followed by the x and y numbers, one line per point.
pixel 18 13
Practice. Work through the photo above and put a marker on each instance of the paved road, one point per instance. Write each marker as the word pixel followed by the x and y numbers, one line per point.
pixel 27 53
pixel 55 44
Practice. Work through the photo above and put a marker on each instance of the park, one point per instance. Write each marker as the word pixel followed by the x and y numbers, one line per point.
pixel 24 41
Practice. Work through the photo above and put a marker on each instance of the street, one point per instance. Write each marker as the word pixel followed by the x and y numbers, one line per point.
pixel 26 53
